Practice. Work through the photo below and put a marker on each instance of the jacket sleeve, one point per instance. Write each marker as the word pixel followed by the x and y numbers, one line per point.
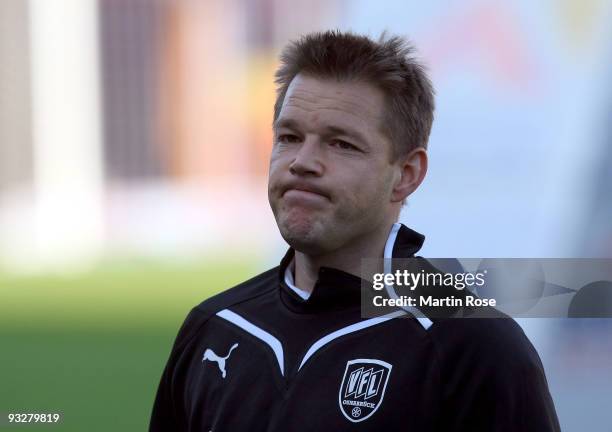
pixel 522 399
pixel 168 412
pixel 493 380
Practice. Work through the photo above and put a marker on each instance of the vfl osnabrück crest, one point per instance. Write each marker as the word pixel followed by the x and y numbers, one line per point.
pixel 363 388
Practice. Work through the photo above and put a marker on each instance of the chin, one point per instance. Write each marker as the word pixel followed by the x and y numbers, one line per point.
pixel 306 237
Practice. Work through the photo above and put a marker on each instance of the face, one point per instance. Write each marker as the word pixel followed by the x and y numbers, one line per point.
pixel 331 176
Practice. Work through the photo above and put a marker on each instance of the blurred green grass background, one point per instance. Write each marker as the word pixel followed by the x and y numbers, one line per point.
pixel 92 346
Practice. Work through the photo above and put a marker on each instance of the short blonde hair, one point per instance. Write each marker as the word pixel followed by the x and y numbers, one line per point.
pixel 388 64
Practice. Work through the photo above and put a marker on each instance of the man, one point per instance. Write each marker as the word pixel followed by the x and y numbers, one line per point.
pixel 289 350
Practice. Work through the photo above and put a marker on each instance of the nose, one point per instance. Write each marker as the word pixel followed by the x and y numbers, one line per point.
pixel 307 160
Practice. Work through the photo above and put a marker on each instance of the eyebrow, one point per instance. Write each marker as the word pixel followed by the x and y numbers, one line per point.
pixel 287 123
pixel 329 130
pixel 335 130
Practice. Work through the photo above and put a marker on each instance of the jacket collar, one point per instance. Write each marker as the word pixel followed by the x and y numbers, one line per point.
pixel 336 289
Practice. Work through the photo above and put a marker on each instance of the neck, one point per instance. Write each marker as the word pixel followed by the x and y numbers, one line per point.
pixel 348 258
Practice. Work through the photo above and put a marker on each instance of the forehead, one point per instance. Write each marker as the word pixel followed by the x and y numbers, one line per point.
pixel 329 101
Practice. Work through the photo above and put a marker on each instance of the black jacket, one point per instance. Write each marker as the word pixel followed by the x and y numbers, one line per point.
pixel 258 357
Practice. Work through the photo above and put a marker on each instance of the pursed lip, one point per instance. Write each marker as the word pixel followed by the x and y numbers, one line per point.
pixel 305 187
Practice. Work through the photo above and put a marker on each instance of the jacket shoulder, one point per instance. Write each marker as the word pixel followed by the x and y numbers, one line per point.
pixel 242 292
pixel 247 290
pixel 487 340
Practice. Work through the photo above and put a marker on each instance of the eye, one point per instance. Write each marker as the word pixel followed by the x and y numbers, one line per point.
pixel 343 145
pixel 288 139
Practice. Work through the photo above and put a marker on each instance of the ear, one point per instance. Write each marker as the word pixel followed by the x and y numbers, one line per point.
pixel 412 169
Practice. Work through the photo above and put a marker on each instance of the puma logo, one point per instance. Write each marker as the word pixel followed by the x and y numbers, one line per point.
pixel 211 356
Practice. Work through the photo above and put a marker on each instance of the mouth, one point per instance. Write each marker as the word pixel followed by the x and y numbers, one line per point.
pixel 307 193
